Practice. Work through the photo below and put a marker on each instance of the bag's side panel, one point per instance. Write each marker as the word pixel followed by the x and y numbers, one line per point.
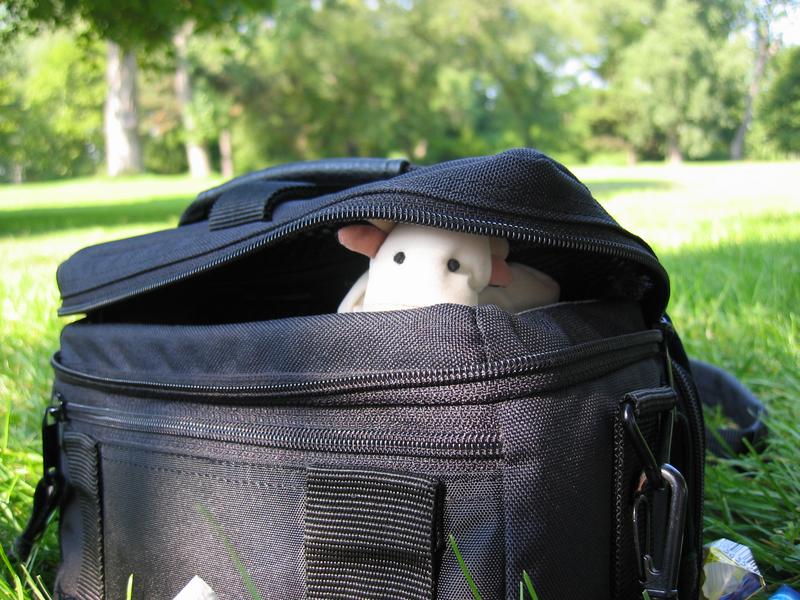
pixel 560 492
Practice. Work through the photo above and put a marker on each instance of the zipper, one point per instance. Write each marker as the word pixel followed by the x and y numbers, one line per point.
pixel 479 445
pixel 474 226
pixel 593 355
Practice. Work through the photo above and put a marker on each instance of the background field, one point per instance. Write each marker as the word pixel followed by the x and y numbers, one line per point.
pixel 729 235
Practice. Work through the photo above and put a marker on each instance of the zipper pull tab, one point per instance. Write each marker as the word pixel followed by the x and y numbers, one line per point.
pixel 48 490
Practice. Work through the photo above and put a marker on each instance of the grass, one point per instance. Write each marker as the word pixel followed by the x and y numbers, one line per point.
pixel 728 234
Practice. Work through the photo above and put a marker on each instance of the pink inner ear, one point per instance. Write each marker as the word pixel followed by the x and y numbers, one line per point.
pixel 364 239
pixel 501 272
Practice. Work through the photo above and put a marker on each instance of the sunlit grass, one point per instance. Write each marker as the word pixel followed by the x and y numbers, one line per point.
pixel 728 234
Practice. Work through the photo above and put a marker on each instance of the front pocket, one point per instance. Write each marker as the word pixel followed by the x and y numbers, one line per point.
pixel 81 526
pixel 302 499
pixel 171 517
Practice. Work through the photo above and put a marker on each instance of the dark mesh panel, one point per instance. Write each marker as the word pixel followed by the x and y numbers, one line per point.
pixel 170 517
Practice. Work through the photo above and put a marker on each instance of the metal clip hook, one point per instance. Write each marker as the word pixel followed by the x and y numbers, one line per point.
pixel 660 581
pixel 651 467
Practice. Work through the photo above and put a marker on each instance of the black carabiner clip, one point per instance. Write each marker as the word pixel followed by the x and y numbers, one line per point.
pixel 660 581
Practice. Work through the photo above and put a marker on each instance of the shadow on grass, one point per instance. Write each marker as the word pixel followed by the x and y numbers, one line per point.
pixel 604 189
pixel 32 221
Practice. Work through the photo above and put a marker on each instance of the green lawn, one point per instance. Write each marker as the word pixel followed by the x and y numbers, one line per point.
pixel 729 234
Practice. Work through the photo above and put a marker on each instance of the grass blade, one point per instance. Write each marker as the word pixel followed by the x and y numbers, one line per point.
pixel 14 577
pixel 129 588
pixel 529 586
pixel 464 569
pixel 248 582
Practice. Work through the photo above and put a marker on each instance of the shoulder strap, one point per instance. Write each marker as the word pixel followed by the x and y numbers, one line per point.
pixel 719 388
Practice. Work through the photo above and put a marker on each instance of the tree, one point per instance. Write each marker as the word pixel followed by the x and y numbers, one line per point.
pixel 674 90
pixel 436 80
pixel 51 97
pixel 763 14
pixel 136 24
pixel 780 109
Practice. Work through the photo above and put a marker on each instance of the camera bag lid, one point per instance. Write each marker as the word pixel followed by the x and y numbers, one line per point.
pixel 287 216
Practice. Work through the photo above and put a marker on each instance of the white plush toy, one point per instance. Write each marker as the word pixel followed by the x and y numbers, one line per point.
pixel 414 266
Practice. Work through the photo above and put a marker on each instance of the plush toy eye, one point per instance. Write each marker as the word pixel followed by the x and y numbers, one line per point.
pixel 453 265
pixel 399 258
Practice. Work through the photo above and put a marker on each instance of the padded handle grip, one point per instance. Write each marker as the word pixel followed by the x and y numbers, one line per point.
pixel 329 172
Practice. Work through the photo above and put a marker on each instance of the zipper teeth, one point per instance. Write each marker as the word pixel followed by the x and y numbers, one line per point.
pixel 474 445
pixel 501 368
pixel 419 217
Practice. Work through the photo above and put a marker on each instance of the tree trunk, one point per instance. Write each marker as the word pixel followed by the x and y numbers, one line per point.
pixel 630 156
pixel 121 117
pixel 226 152
pixel 17 173
pixel 674 155
pixel 762 53
pixel 196 152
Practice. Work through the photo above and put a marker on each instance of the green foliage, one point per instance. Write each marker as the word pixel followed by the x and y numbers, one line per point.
pixel 430 79
pixel 677 87
pixel 50 107
pixel 382 79
pixel 780 110
pixel 148 23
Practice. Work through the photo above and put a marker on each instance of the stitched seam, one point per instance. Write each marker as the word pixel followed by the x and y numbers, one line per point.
pixel 257 484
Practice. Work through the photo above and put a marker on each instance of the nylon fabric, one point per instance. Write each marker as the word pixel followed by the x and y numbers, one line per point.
pixel 370 534
pixel 442 336
pixel 242 434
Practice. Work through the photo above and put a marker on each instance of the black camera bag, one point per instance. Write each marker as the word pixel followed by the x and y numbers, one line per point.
pixel 214 417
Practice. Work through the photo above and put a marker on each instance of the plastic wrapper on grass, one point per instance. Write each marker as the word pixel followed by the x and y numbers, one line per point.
pixel 730 572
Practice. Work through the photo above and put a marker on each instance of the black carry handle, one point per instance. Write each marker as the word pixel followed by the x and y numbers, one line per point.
pixel 717 387
pixel 330 174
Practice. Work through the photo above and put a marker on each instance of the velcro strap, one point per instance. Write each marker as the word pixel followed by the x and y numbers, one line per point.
pixel 371 534
pixel 253 202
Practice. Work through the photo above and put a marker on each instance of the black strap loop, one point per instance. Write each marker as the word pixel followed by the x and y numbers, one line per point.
pixel 253 202
pixel 371 534
pixel 327 175
pixel 48 491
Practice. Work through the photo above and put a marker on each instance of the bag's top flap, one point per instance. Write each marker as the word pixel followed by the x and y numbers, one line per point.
pixel 288 217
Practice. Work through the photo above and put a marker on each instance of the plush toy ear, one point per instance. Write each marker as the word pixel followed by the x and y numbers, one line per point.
pixel 501 273
pixel 364 239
